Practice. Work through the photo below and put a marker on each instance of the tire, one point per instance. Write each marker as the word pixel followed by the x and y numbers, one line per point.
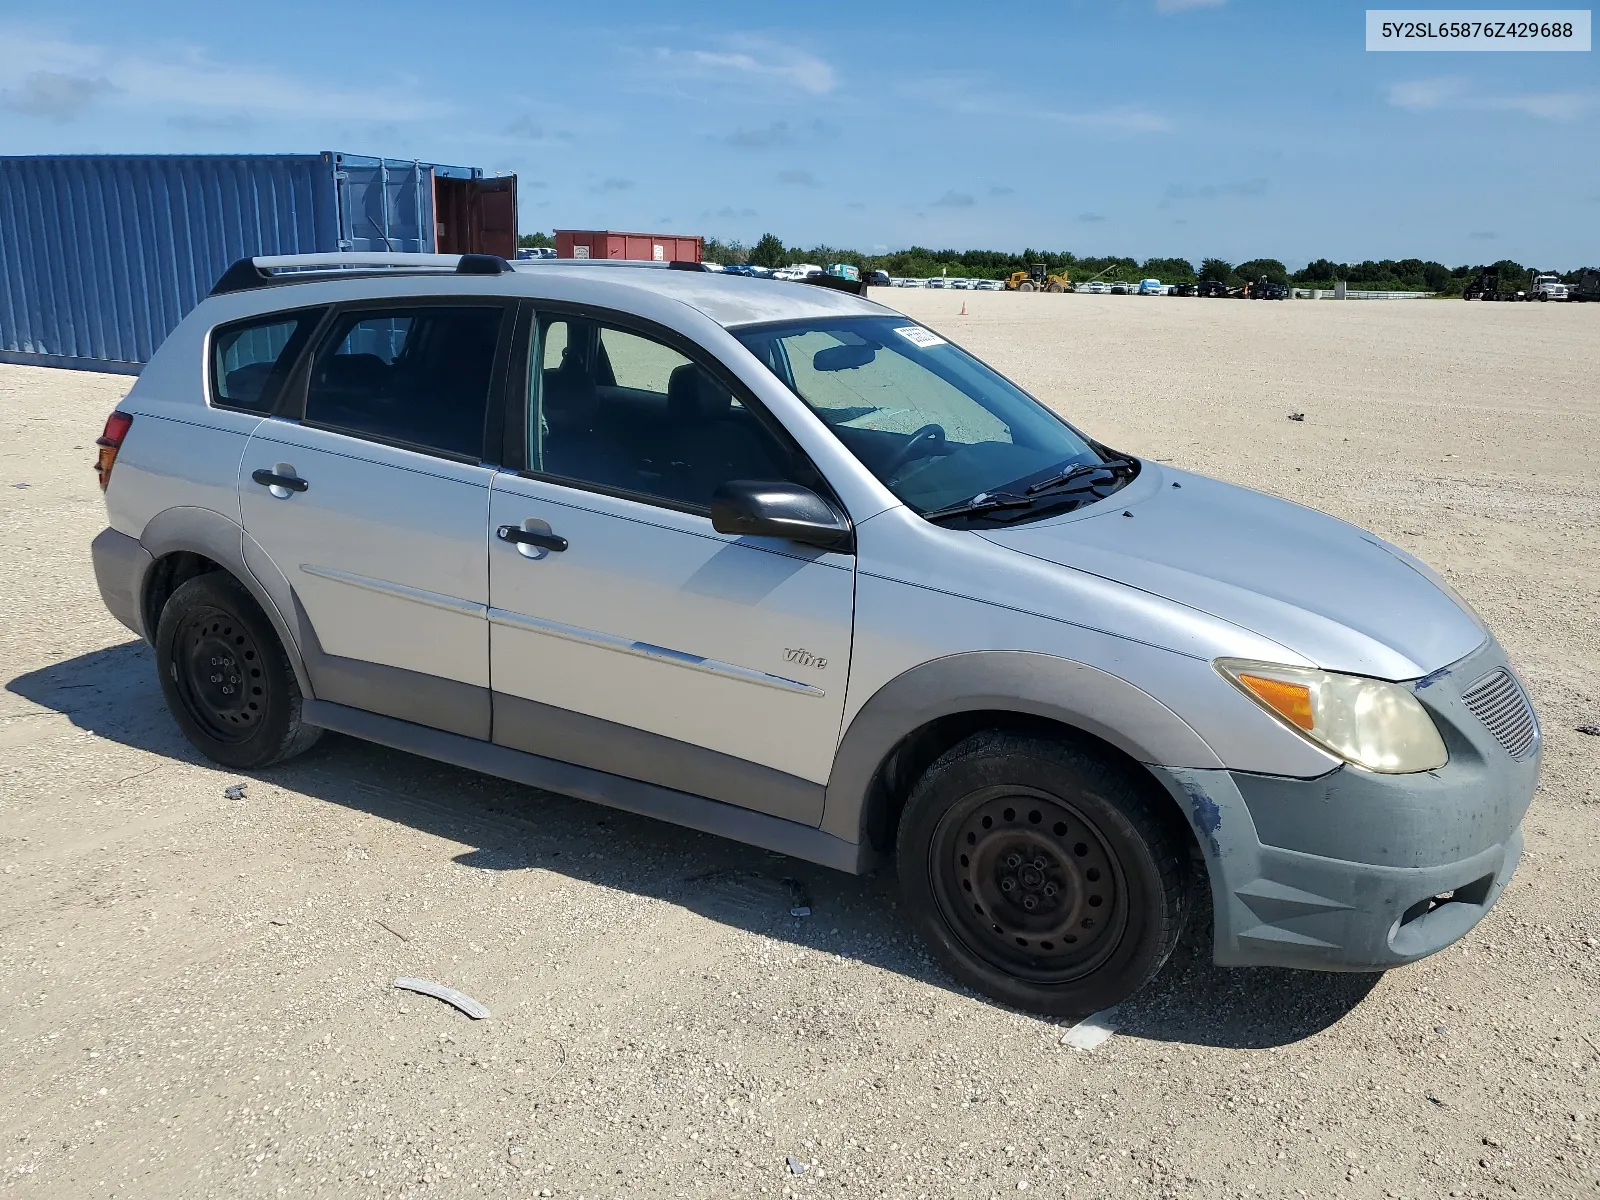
pixel 1025 287
pixel 1041 874
pixel 226 677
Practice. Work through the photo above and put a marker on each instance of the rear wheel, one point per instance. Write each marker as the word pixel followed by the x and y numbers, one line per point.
pixel 1041 874
pixel 1025 287
pixel 226 678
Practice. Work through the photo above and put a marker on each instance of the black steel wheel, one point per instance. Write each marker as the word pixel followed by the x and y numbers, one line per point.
pixel 226 678
pixel 1042 873
pixel 219 676
pixel 1029 880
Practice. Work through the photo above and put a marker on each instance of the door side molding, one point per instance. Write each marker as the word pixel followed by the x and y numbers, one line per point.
pixel 678 658
pixel 384 587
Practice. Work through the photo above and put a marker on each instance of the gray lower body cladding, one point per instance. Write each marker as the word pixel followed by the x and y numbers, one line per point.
pixel 599 787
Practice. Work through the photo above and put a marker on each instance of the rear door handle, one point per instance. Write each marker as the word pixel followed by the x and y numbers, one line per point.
pixel 531 537
pixel 272 479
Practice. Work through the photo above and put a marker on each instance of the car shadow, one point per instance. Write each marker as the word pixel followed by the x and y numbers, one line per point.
pixel 114 693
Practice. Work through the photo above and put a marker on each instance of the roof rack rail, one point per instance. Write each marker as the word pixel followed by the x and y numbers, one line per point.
pixel 266 269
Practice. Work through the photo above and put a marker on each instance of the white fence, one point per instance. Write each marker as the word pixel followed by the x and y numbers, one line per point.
pixel 1343 293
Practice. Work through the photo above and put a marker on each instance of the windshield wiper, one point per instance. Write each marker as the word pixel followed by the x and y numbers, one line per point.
pixel 982 503
pixel 1078 471
pixel 1057 486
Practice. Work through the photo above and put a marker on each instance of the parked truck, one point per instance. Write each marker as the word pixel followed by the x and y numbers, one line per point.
pixel 1486 285
pixel 1548 287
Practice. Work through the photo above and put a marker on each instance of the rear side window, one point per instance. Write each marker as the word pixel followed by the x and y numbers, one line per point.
pixel 251 359
pixel 415 376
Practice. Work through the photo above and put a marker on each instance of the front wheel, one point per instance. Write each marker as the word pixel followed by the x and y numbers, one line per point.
pixel 1041 874
pixel 226 678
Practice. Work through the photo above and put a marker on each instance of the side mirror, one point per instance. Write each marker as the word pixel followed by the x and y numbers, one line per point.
pixel 748 508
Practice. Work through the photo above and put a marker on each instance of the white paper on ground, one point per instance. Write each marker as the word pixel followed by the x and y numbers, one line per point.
pixel 1092 1031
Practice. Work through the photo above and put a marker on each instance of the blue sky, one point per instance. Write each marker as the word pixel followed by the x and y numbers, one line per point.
pixel 1237 128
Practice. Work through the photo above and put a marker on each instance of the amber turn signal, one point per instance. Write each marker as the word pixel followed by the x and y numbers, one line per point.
pixel 1290 700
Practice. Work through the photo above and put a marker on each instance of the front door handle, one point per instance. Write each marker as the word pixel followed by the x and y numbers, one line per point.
pixel 271 479
pixel 531 537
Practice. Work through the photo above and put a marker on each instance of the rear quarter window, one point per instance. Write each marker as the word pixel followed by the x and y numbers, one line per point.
pixel 251 360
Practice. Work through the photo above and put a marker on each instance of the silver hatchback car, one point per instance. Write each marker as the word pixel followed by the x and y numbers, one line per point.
pixel 775 562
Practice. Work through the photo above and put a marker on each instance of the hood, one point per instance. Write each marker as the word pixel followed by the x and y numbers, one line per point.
pixel 1336 595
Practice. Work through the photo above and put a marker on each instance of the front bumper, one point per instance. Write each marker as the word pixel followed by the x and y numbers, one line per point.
pixel 1287 908
pixel 1355 871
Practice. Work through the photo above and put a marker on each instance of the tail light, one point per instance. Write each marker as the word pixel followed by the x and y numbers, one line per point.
pixel 110 441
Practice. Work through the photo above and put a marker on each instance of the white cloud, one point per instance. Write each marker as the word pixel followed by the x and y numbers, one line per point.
pixel 1455 92
pixel 968 95
pixel 57 77
pixel 751 60
pixel 1171 6
pixel 1427 93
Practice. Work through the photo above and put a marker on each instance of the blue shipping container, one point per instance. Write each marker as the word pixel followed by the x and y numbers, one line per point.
pixel 102 256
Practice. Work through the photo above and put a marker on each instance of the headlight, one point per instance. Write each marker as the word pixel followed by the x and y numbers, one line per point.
pixel 1373 724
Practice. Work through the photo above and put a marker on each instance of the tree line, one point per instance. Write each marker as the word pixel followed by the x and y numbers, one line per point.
pixel 920 262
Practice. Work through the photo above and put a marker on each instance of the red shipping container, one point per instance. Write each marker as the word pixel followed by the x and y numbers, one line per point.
pixel 645 247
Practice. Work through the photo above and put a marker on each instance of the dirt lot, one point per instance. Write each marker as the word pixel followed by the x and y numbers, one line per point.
pixel 194 991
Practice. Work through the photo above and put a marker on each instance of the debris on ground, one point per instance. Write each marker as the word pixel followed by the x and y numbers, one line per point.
pixel 1591 730
pixel 234 791
pixel 1297 416
pixel 799 898
pixel 449 995
pixel 1092 1031
pixel 385 925
pixel 796 1167
pixel 748 895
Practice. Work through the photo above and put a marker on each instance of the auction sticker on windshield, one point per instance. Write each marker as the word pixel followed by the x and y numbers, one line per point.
pixel 920 337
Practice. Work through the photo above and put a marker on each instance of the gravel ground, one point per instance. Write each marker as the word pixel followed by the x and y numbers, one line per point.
pixel 194 990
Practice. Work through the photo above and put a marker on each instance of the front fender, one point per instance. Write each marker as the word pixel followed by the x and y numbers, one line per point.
pixel 1013 681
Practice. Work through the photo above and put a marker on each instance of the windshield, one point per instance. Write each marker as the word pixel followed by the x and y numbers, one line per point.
pixel 934 424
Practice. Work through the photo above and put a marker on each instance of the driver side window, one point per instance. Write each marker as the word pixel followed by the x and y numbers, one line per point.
pixel 626 412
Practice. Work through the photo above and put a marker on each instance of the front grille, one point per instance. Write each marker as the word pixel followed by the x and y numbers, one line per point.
pixel 1500 703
